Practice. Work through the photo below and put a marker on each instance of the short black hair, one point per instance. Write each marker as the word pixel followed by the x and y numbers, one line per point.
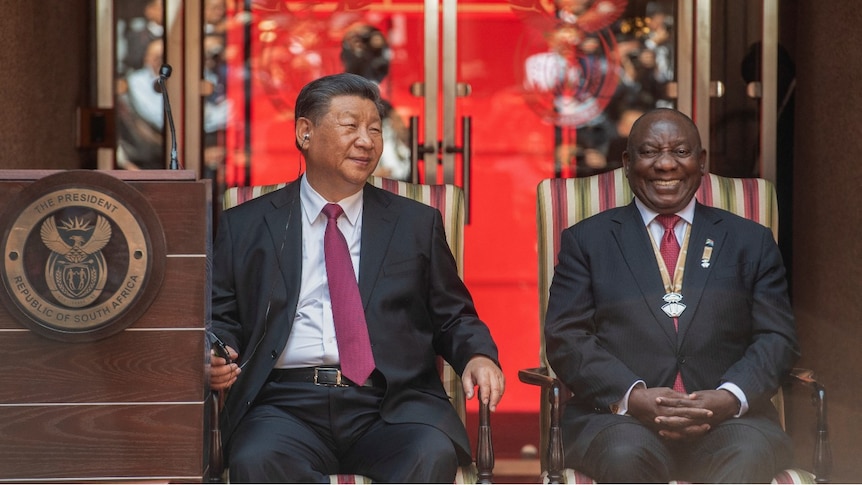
pixel 315 97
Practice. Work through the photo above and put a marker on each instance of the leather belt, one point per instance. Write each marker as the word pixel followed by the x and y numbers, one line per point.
pixel 323 376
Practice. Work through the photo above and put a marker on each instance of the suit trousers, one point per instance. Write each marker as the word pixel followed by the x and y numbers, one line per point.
pixel 298 432
pixel 626 451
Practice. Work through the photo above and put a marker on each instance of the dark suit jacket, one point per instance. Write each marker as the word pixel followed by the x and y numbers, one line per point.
pixel 415 303
pixel 605 328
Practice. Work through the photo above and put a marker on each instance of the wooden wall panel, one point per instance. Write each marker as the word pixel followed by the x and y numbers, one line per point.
pixel 48 59
pixel 115 441
pixel 179 213
pixel 133 366
pixel 172 307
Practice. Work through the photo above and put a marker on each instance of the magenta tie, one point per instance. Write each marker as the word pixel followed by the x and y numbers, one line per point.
pixel 351 331
pixel 669 250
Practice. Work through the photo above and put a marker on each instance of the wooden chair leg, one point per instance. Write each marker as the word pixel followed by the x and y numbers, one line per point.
pixel 822 448
pixel 484 446
pixel 555 437
pixel 216 468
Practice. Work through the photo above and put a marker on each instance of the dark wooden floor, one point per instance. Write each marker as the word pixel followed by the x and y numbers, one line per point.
pixel 509 470
pixel 515 437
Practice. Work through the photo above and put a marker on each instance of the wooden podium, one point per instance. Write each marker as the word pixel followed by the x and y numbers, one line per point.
pixel 128 399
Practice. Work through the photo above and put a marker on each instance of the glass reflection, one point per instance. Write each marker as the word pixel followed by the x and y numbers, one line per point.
pixel 139 106
pixel 586 68
pixel 590 69
pixel 216 105
pixel 365 51
pixel 272 48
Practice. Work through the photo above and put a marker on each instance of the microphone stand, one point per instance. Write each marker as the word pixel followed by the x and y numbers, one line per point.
pixel 164 74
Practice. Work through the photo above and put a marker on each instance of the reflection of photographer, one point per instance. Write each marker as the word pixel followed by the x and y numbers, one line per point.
pixel 216 104
pixel 365 51
pixel 140 114
pixel 643 70
pixel 660 39
pixel 135 34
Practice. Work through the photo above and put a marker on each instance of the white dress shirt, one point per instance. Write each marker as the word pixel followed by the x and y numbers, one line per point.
pixel 312 338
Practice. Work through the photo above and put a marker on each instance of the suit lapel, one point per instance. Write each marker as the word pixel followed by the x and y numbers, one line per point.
pixel 284 222
pixel 378 226
pixel 706 227
pixel 632 236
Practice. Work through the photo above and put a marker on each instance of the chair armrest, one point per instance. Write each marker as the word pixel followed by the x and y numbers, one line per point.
pixel 537 376
pixel 484 446
pixel 822 447
pixel 802 375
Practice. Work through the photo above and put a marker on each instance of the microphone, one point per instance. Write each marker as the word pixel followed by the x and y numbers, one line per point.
pixel 164 74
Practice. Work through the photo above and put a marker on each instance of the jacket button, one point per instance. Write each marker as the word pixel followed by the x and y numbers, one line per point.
pixel 274 355
pixel 680 360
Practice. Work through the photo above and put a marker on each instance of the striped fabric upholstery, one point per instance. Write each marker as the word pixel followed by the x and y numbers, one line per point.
pixel 235 196
pixel 563 202
pixel 449 200
pixel 786 476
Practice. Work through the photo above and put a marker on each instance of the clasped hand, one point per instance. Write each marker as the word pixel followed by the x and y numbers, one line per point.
pixel 678 416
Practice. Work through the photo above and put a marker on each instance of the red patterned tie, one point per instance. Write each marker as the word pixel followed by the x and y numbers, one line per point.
pixel 669 250
pixel 351 331
pixel 669 245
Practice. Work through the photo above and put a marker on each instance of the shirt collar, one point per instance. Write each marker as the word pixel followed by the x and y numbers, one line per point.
pixel 313 202
pixel 647 214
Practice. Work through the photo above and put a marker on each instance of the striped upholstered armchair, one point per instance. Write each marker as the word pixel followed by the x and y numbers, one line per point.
pixel 562 203
pixel 449 200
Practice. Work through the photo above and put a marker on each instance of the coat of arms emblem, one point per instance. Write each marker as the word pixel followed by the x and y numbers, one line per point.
pixel 76 270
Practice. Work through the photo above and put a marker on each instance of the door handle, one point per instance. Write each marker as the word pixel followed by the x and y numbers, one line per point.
pixel 466 151
pixel 419 149
pixel 754 90
pixel 417 89
pixel 716 89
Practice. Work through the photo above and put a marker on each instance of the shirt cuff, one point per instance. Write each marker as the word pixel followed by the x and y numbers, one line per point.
pixel 622 406
pixel 740 396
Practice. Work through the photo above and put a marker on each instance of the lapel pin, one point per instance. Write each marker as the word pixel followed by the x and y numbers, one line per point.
pixel 707 253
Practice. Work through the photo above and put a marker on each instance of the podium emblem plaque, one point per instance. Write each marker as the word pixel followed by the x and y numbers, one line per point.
pixel 83 256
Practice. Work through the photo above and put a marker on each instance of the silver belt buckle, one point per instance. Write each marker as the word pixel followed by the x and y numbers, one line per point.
pixel 339 382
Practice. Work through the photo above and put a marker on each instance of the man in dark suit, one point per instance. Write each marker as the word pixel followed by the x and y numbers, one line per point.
pixel 671 376
pixel 291 413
